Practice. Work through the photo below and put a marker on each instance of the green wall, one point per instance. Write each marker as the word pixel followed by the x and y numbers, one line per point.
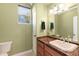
pixel 41 15
pixel 20 34
pixel 64 23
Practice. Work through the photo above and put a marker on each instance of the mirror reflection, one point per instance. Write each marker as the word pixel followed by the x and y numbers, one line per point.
pixel 63 20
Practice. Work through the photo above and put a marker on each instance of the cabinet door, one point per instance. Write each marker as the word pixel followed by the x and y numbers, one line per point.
pixel 75 53
pixel 51 51
pixel 47 54
pixel 40 49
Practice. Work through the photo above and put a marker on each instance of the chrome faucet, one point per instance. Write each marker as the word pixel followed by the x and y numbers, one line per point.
pixel 64 39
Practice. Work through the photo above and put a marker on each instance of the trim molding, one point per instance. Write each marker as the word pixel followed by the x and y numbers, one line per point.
pixel 24 53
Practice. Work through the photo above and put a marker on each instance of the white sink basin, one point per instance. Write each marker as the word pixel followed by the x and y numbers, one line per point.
pixel 65 46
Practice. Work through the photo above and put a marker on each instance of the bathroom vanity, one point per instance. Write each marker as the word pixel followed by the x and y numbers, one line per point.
pixel 45 49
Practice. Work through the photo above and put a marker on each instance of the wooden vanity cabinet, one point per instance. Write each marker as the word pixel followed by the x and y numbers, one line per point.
pixel 44 50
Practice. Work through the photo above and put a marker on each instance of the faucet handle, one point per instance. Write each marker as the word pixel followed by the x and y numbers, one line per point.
pixel 65 39
pixel 61 38
pixel 69 38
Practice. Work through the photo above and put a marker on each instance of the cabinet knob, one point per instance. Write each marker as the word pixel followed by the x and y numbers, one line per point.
pixel 34 35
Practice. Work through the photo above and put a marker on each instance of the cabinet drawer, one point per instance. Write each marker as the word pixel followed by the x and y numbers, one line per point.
pixel 51 51
pixel 40 44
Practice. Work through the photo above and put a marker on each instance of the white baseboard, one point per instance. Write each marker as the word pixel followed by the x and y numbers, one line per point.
pixel 24 53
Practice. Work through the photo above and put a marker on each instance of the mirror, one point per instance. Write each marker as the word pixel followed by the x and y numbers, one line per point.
pixel 64 18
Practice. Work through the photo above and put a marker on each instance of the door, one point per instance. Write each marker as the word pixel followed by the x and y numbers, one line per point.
pixel 34 29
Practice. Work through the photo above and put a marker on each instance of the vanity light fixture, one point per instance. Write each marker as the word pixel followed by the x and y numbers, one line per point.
pixel 59 8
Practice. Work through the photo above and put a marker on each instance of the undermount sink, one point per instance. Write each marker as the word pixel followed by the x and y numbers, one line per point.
pixel 65 46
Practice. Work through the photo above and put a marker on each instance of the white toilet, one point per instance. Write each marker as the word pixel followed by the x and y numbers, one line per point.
pixel 5 48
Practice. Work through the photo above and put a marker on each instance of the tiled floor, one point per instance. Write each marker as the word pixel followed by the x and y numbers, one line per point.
pixel 25 53
pixel 29 54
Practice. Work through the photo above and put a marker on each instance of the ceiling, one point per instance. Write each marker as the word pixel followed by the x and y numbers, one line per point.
pixel 50 5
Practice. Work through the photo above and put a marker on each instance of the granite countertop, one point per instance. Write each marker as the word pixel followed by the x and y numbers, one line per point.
pixel 46 41
pixel 59 37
